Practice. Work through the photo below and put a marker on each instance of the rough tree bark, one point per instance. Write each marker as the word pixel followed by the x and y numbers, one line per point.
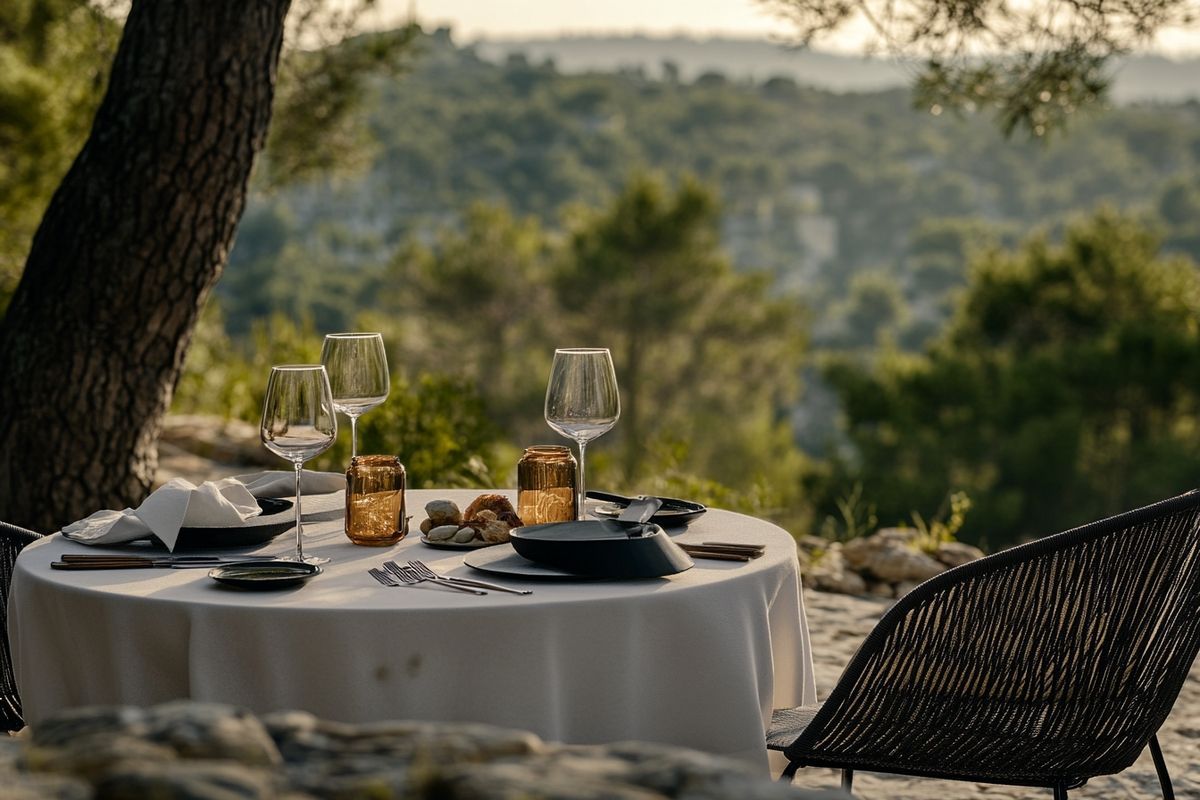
pixel 93 342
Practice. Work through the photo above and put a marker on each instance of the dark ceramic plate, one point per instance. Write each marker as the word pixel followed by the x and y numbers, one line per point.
pixel 671 512
pixel 452 545
pixel 276 517
pixel 264 574
pixel 506 561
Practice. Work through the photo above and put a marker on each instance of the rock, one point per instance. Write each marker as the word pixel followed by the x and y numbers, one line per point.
pixel 45 787
pixel 464 535
pixel 896 564
pixel 443 512
pixel 904 587
pixel 955 554
pixel 888 556
pixel 880 589
pixel 442 533
pixel 194 780
pixel 496 503
pixel 213 731
pixel 828 572
pixel 426 526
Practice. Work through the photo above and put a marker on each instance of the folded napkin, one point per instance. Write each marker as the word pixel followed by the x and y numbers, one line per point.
pixel 282 483
pixel 180 504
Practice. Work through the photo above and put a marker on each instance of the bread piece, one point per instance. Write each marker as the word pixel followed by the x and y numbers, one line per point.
pixel 496 503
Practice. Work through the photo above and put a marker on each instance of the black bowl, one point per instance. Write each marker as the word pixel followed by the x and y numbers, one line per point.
pixel 602 548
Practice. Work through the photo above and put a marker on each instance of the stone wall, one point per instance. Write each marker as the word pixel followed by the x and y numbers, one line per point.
pixel 195 751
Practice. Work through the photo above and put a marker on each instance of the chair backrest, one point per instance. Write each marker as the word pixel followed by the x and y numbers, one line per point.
pixel 12 540
pixel 1058 659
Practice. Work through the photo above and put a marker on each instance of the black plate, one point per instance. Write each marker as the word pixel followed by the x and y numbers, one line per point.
pixel 276 517
pixel 264 574
pixel 474 544
pixel 672 512
pixel 602 548
pixel 504 560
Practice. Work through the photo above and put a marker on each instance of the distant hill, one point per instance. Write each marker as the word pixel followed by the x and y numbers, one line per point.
pixel 1140 78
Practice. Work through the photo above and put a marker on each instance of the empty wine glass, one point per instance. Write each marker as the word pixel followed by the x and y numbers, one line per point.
pixel 358 375
pixel 582 401
pixel 298 422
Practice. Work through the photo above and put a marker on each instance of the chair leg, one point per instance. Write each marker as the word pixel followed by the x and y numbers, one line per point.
pixel 1060 792
pixel 789 772
pixel 1160 765
pixel 848 780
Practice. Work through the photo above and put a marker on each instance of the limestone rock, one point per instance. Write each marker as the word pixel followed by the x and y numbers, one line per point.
pixel 955 554
pixel 190 780
pixel 889 556
pixel 443 512
pixel 828 572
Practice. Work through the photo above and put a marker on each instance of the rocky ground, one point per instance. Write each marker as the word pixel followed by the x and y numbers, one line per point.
pixel 838 623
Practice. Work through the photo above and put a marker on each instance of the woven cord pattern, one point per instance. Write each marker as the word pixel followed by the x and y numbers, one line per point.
pixel 12 540
pixel 1048 663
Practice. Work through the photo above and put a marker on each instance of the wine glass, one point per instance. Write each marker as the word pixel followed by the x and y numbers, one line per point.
pixel 358 375
pixel 298 422
pixel 582 400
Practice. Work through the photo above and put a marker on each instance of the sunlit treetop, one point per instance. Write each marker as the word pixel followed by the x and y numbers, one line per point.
pixel 1033 63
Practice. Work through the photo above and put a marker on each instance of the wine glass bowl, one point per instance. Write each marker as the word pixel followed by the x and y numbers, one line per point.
pixel 582 401
pixel 358 375
pixel 298 422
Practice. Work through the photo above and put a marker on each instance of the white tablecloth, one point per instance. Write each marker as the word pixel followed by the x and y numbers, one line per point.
pixel 697 659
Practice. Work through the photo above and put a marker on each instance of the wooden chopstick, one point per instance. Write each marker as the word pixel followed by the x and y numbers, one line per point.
pixel 709 554
pixel 758 548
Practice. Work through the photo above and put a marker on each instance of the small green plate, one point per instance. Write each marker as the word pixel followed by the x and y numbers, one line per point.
pixel 263 574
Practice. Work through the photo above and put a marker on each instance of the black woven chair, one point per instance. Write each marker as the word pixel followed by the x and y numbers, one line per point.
pixel 1044 665
pixel 12 539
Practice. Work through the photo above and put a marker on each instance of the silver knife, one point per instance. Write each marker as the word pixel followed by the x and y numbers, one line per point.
pixel 483 584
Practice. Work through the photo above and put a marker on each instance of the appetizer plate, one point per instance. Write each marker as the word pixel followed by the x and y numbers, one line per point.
pixel 453 545
pixel 263 574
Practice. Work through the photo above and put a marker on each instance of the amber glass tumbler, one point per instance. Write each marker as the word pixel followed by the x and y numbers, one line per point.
pixel 546 484
pixel 375 501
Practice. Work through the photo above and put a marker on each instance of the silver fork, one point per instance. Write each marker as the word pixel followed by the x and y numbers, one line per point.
pixel 422 569
pixel 382 577
pixel 410 576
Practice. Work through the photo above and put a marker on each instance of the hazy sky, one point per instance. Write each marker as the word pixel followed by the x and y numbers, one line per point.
pixel 473 19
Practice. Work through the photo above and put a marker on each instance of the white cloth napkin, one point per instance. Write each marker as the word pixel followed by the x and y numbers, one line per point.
pixel 181 504
pixel 282 483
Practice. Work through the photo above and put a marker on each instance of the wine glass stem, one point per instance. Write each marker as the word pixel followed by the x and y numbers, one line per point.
pixel 353 436
pixel 582 498
pixel 299 531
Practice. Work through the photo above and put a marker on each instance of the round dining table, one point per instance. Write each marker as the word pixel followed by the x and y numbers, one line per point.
pixel 696 659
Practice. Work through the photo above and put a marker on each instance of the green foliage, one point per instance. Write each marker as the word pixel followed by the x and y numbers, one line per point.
pixel 943 527
pixel 645 277
pixel 1063 391
pixel 1033 64
pixel 853 517
pixel 53 66
pixel 437 424
pixel 317 127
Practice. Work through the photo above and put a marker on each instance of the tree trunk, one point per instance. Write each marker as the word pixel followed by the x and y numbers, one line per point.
pixel 135 237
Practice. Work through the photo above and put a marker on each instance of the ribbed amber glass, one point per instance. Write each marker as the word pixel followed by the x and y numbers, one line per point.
pixel 375 501
pixel 546 483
